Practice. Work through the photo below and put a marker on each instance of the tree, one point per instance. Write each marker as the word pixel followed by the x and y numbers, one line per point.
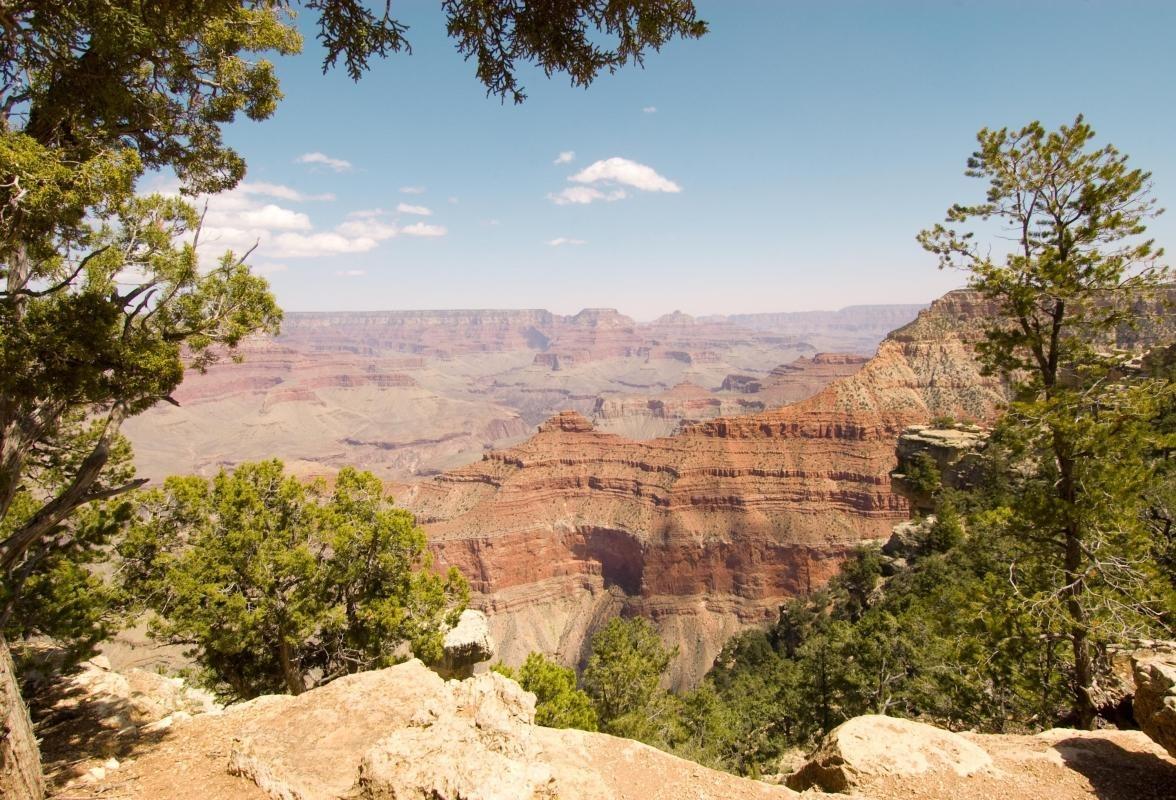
pixel 558 703
pixel 1078 272
pixel 278 587
pixel 623 676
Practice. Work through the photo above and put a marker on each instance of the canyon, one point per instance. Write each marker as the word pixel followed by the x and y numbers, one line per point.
pixel 706 531
pixel 408 394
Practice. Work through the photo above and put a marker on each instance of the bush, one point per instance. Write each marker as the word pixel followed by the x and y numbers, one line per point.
pixel 279 587
pixel 558 703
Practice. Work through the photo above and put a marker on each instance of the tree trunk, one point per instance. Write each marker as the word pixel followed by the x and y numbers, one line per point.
pixel 293 678
pixel 1075 578
pixel 20 761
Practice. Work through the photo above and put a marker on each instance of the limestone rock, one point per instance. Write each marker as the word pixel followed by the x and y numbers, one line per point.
pixel 403 732
pixel 466 644
pixel 874 745
pixel 1155 698
pixel 132 699
pixel 464 762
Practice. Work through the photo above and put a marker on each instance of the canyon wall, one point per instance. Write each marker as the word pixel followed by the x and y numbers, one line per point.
pixel 709 530
pixel 412 393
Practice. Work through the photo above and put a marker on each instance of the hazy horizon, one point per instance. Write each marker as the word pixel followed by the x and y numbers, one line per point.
pixel 574 311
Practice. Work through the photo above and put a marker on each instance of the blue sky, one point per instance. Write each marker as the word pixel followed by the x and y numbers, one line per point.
pixel 790 157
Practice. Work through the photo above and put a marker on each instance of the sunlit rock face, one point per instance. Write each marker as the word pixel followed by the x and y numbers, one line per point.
pixel 709 530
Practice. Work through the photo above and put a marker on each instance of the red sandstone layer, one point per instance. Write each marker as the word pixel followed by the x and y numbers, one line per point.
pixel 718 524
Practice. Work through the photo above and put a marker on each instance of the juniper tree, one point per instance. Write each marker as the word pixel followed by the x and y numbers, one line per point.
pixel 278 587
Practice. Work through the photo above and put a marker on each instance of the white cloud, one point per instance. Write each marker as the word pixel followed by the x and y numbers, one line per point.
pixel 256 215
pixel 420 211
pixel 561 241
pixel 278 191
pixel 412 189
pixel 582 195
pixel 366 228
pixel 649 110
pixel 351 273
pixel 272 217
pixel 453 200
pixel 337 164
pixel 315 245
pixel 627 173
pixel 269 269
pixel 565 157
pixel 421 229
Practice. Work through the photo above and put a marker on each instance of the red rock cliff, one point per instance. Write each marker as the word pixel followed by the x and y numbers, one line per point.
pixel 707 531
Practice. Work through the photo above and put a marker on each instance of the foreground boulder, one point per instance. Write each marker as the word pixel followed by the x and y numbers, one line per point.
pixel 1155 698
pixel 874 746
pixel 404 732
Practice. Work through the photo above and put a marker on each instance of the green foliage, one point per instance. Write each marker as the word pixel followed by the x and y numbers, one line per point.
pixel 559 704
pixel 622 678
pixel 1078 429
pixel 278 587
pixel 948 529
pixel 921 474
pixel 858 578
pixel 566 38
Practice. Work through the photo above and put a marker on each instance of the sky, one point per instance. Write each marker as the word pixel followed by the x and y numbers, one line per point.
pixel 783 162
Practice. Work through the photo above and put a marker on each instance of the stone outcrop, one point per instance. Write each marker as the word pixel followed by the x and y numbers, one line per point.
pixel 403 732
pixel 956 452
pixel 467 644
pixel 1155 697
pixel 874 746
pixel 20 761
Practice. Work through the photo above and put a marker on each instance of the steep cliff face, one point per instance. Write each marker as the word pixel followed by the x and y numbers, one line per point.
pixel 706 531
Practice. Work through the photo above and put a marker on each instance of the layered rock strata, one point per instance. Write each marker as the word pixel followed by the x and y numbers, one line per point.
pixel 407 393
pixel 707 531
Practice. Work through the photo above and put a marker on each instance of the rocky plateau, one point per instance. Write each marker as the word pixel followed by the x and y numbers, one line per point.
pixel 412 393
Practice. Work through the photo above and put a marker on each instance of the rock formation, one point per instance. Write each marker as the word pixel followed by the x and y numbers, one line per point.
pixel 706 531
pixel 871 746
pixel 1155 697
pixel 466 645
pixel 709 530
pixel 403 732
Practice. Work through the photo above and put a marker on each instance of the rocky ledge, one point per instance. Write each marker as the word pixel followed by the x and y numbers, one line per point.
pixel 404 732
